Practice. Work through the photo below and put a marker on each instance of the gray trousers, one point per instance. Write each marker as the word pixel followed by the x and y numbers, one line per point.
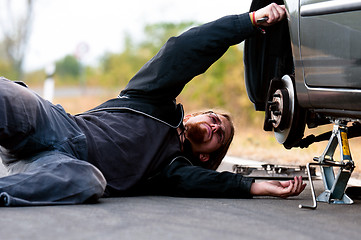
pixel 44 151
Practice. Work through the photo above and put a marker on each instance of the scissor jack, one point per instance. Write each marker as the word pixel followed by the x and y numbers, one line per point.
pixel 334 182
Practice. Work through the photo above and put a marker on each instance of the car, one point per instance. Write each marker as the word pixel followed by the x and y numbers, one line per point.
pixel 306 70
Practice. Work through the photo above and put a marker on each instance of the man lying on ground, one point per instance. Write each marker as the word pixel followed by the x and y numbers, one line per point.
pixel 138 143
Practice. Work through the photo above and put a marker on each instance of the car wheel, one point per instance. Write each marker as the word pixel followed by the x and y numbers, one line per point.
pixel 283 113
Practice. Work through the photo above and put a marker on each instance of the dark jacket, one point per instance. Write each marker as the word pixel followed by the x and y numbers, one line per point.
pixel 152 92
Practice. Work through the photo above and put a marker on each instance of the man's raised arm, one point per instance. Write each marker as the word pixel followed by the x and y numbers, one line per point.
pixel 193 52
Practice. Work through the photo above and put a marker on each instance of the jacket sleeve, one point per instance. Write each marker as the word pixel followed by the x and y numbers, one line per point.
pixel 186 56
pixel 180 178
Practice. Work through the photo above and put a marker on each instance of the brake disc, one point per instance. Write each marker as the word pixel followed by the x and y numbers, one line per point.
pixel 285 104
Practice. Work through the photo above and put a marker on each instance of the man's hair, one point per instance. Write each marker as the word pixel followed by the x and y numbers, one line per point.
pixel 216 157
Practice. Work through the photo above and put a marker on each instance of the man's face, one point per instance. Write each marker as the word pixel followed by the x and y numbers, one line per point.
pixel 207 132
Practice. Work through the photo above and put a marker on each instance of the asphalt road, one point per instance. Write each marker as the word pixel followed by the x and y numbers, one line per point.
pixel 154 217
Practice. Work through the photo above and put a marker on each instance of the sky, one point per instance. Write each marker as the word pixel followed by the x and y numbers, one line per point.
pixel 93 27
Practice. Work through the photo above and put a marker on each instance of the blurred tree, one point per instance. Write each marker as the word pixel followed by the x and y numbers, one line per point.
pixel 157 34
pixel 6 69
pixel 116 69
pixel 35 78
pixel 16 29
pixel 69 66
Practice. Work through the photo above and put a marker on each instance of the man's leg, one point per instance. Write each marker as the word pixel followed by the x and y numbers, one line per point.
pixel 29 124
pixel 51 178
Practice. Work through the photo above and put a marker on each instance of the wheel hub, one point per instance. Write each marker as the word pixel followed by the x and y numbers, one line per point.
pixel 279 109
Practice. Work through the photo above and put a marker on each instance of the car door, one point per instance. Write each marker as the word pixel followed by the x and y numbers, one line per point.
pixel 330 38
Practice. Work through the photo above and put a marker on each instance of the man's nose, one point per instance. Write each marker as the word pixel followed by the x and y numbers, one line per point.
pixel 215 127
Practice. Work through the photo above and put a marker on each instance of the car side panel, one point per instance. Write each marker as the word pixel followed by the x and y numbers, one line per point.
pixel 331 54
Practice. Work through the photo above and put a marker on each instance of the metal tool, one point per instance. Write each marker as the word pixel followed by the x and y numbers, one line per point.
pixel 261 20
pixel 334 185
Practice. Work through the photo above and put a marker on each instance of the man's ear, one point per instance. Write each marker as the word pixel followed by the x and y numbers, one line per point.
pixel 204 157
pixel 187 117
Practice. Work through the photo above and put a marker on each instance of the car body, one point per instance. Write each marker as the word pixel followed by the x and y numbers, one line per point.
pixel 306 69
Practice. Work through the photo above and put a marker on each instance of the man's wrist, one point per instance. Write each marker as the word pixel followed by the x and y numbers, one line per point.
pixel 254 189
pixel 252 16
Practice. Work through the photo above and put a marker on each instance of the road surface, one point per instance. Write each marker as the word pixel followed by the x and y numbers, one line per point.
pixel 157 217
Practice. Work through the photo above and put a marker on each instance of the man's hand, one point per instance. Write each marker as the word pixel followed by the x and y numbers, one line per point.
pixel 282 189
pixel 273 12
